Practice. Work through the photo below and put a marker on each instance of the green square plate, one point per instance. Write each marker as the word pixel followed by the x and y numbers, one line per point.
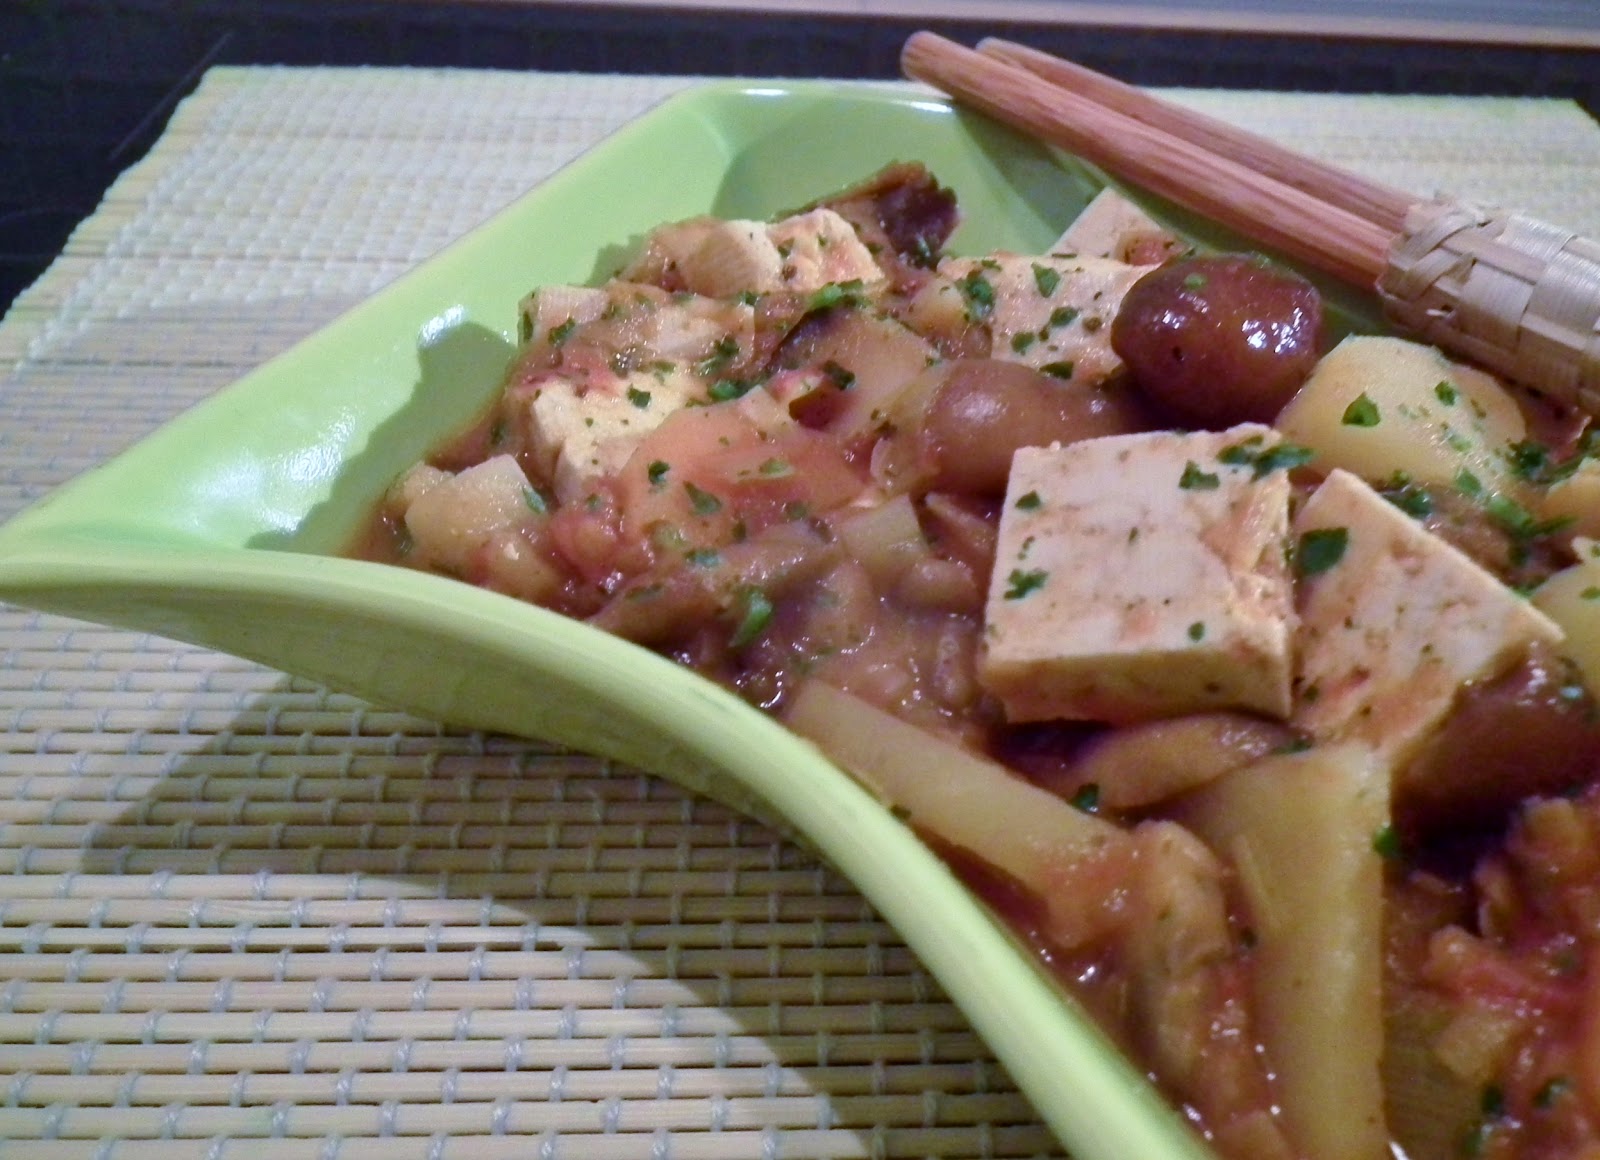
pixel 224 528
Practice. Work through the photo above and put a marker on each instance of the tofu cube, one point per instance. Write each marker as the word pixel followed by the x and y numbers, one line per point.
pixel 582 432
pixel 1142 576
pixel 1051 312
pixel 1394 621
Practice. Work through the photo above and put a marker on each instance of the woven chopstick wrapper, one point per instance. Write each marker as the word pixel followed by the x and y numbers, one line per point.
pixel 243 916
pixel 1510 291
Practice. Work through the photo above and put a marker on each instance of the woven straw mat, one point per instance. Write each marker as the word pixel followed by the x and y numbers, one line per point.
pixel 241 915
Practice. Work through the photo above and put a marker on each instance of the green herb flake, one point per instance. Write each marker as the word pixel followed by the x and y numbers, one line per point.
pixel 1469 484
pixel 656 473
pixel 1362 412
pixel 1022 340
pixel 1320 549
pixel 1087 798
pixel 842 377
pixel 1386 843
pixel 1062 316
pixel 1414 501
pixel 724 390
pixel 1590 593
pixel 703 557
pixel 755 618
pixel 1020 583
pixel 1445 392
pixel 560 333
pixel 979 295
pixel 1058 370
pixel 1197 631
pixel 1029 502
pixel 796 510
pixel 703 502
pixel 1193 479
pixel 1263 461
pixel 775 468
pixel 535 502
pixel 638 398
pixel 1194 282
pixel 836 294
pixel 1045 280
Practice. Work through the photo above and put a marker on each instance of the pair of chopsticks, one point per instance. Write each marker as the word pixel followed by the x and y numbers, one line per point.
pixel 1326 217
pixel 1512 293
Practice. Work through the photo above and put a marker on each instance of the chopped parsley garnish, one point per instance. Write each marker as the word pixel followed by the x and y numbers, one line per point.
pixel 1362 412
pixel 1087 798
pixel 1062 316
pixel 1059 370
pixel 1045 280
pixel 1264 461
pixel 703 502
pixel 1022 340
pixel 1193 479
pixel 1386 843
pixel 1590 593
pixel 836 294
pixel 796 510
pixel 842 377
pixel 979 295
pixel 1194 282
pixel 1445 392
pixel 560 333
pixel 535 502
pixel 1320 549
pixel 638 398
pixel 723 390
pixel 1021 583
pixel 775 468
pixel 703 557
pixel 656 473
pixel 757 615
pixel 1029 502
pixel 724 352
pixel 1411 499
pixel 1197 631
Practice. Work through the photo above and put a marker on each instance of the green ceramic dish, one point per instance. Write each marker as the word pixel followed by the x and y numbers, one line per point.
pixel 223 529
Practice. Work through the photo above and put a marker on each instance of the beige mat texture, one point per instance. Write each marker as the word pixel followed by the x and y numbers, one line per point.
pixel 243 916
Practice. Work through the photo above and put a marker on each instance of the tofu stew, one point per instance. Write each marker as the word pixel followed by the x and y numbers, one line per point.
pixel 1249 676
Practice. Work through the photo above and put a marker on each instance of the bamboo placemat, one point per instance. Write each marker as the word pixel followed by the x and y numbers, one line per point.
pixel 241 915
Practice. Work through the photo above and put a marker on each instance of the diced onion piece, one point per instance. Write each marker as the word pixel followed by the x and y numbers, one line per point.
pixel 886 539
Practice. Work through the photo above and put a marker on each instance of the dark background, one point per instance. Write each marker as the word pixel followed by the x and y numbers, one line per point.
pixel 86 85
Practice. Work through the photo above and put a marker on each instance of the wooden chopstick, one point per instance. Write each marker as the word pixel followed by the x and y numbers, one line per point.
pixel 1298 223
pixel 1382 205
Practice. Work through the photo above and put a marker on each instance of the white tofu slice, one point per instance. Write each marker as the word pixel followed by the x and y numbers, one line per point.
pixel 721 258
pixel 820 247
pixel 1051 312
pixel 1393 626
pixel 582 432
pixel 1140 576
pixel 1111 226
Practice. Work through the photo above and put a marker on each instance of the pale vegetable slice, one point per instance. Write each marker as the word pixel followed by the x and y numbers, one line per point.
pixel 1300 831
pixel 887 539
pixel 1067 858
pixel 1571 598
pixel 1380 406
pixel 453 518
